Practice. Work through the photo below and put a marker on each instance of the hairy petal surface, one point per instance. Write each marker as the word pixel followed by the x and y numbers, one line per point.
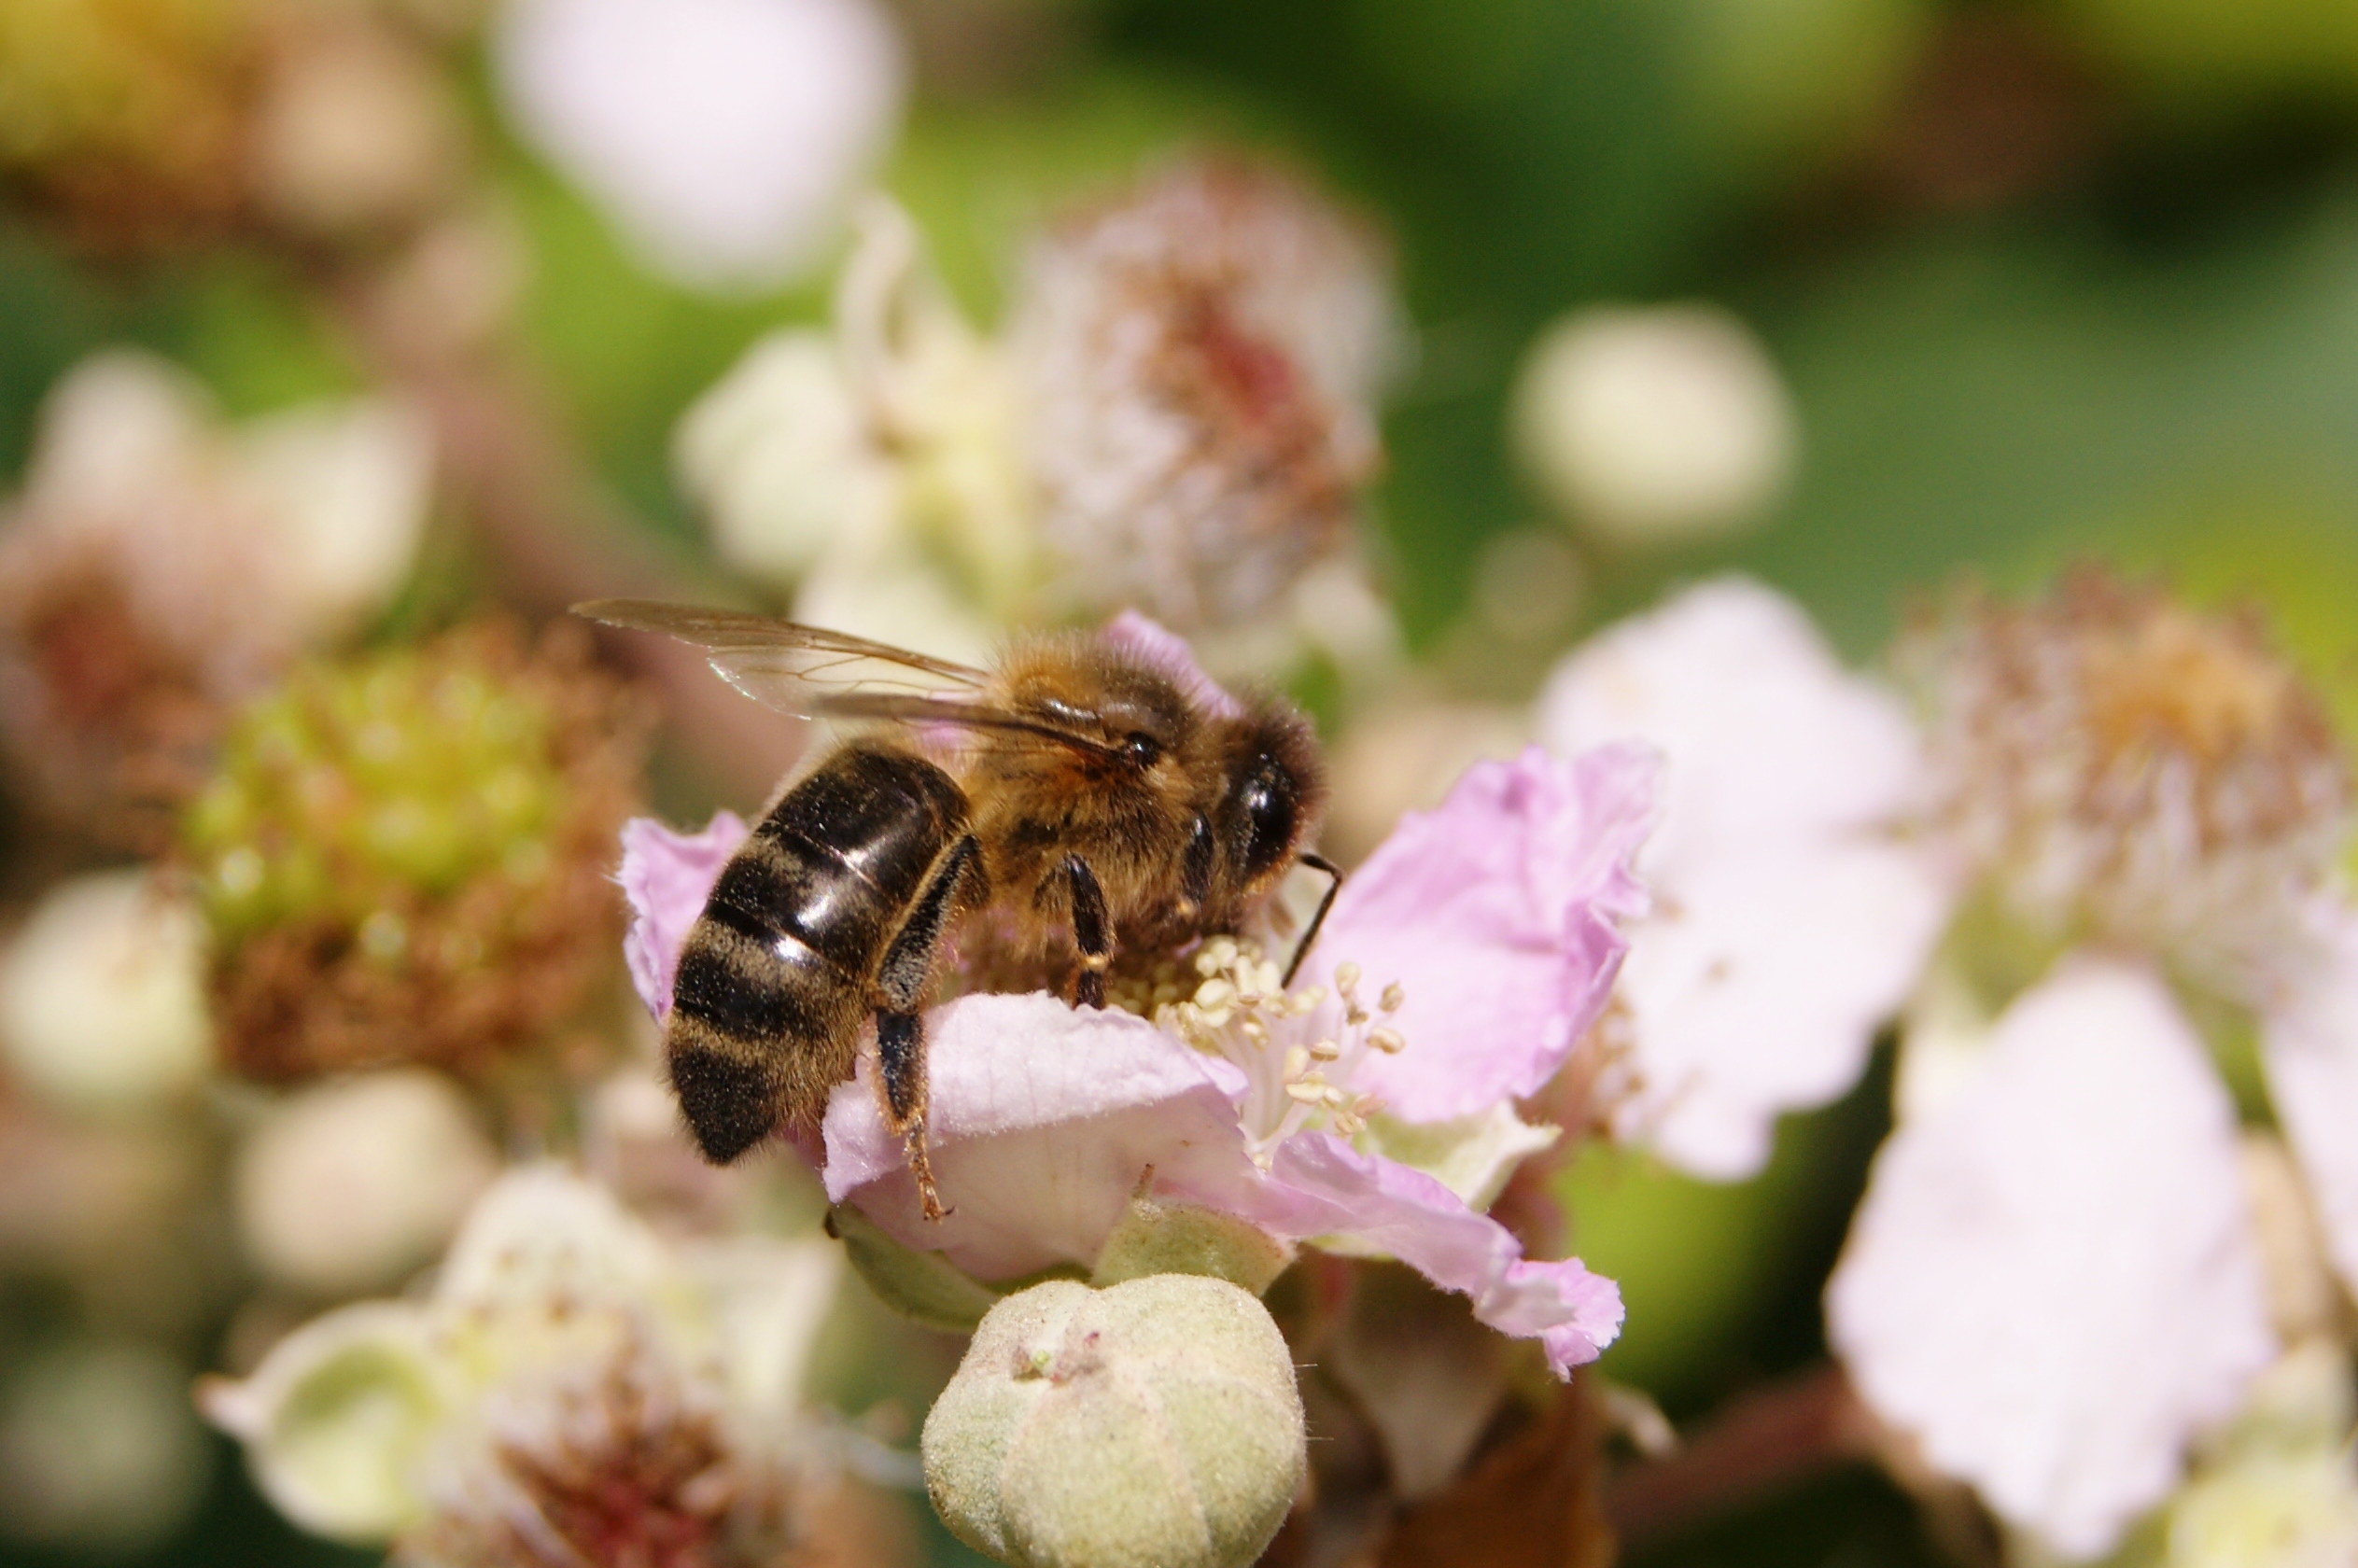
pixel 1046 1119
pixel 667 877
pixel 2053 1283
pixel 1789 922
pixel 1320 1188
pixel 1498 914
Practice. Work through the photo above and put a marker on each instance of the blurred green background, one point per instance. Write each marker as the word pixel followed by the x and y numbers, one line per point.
pixel 2045 279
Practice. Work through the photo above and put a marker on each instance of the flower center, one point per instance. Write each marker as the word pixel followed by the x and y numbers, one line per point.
pixel 1298 1048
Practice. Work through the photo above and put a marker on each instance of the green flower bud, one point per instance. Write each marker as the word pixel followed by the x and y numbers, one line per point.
pixel 1154 1424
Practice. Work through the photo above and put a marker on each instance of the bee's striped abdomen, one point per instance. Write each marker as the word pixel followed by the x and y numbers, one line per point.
pixel 775 978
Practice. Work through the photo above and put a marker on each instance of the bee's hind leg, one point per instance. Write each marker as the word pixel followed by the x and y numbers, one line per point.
pixel 899 1040
pixel 902 979
pixel 1092 933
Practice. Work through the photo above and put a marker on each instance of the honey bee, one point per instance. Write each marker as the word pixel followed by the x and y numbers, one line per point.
pixel 1077 793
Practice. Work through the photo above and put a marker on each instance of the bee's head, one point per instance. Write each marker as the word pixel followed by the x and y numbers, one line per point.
pixel 1273 795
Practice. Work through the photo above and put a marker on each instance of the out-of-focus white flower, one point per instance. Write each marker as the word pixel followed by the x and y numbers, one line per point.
pixel 873 469
pixel 1655 427
pixel 158 567
pixel 232 547
pixel 2052 1284
pixel 723 138
pixel 101 996
pixel 99 1450
pixel 539 1398
pixel 1789 918
pixel 351 484
pixel 1200 358
pixel 781 456
pixel 350 1187
pixel 304 521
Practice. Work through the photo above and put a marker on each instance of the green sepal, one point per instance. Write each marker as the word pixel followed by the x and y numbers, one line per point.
pixel 1155 1237
pixel 926 1288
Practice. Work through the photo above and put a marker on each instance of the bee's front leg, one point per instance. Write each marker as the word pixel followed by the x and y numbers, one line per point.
pixel 1092 932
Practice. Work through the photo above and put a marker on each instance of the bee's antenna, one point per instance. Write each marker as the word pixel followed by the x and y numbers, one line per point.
pixel 1334 885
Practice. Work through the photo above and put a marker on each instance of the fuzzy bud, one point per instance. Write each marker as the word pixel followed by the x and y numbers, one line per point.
pixel 1156 1422
pixel 1656 428
pixel 101 997
pixel 351 1185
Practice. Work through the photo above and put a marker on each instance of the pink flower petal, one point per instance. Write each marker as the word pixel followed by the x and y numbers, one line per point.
pixel 1046 1118
pixel 2053 1283
pixel 667 877
pixel 1170 653
pixel 1497 915
pixel 1042 1121
pixel 1320 1186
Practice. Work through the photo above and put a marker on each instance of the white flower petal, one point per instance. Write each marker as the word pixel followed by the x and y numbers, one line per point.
pixel 768 1299
pixel 1766 733
pixel 1788 922
pixel 1756 987
pixel 1473 1157
pixel 337 1417
pixel 348 486
pixel 779 454
pixel 1655 427
pixel 2053 1283
pixel 2310 1048
pixel 542 1232
pixel 723 137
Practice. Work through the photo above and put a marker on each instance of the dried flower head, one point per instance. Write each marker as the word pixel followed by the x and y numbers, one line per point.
pixel 402 858
pixel 1201 356
pixel 2127 769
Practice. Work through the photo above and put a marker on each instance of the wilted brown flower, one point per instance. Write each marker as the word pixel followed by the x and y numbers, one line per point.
pixel 404 858
pixel 1201 354
pixel 2129 769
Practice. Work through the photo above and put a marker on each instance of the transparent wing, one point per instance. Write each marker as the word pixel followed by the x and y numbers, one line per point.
pixel 807 671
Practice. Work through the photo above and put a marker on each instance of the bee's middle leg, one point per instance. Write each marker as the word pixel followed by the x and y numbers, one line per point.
pixel 902 979
pixel 1092 932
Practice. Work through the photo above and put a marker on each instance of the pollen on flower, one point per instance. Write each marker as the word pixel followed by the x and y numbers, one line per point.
pixel 2127 768
pixel 1297 1047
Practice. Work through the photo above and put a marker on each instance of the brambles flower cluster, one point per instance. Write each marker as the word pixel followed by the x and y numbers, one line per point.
pixel 2128 817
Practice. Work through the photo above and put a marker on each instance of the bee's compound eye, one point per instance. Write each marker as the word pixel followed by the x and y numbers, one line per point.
pixel 1268 800
pixel 1143 749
